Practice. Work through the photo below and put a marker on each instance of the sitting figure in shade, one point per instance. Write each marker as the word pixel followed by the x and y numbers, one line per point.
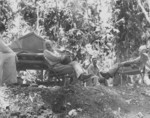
pixel 8 73
pixel 55 59
pixel 96 78
pixel 140 61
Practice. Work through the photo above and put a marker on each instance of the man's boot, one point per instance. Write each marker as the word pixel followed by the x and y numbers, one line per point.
pixel 106 75
pixel 83 77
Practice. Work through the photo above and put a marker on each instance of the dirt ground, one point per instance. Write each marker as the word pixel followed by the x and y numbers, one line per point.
pixel 138 100
pixel 76 101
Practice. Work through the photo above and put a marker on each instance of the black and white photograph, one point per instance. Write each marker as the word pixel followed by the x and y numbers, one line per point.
pixel 74 58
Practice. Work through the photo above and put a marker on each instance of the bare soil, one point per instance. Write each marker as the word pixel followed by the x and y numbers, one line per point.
pixel 87 102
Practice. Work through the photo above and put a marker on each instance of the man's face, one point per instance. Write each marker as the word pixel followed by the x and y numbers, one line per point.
pixel 48 46
pixel 94 61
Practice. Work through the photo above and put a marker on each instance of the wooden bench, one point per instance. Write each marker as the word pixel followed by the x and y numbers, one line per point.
pixel 36 61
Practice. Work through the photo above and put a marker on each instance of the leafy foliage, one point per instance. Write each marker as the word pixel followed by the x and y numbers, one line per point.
pixel 54 19
pixel 6 13
pixel 130 21
pixel 29 15
pixel 74 24
pixel 71 24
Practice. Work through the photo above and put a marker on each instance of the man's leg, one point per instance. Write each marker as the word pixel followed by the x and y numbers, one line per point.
pixel 70 68
pixel 66 69
pixel 112 71
pixel 80 72
pixel 9 69
pixel 78 68
pixel 63 69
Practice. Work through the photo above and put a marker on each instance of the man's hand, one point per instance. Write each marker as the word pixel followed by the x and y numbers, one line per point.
pixel 65 59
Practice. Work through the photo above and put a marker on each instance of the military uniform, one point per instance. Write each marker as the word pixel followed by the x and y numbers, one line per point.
pixel 8 73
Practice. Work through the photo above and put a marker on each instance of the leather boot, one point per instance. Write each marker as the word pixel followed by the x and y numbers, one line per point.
pixel 84 77
pixel 106 75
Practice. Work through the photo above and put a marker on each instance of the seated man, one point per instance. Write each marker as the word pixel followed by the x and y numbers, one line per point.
pixel 8 73
pixel 54 58
pixel 94 70
pixel 146 77
pixel 141 61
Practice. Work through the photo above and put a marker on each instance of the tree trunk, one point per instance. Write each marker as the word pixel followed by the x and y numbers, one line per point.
pixel 144 11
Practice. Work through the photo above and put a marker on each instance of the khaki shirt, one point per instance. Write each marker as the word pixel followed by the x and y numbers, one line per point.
pixel 93 70
pixel 52 57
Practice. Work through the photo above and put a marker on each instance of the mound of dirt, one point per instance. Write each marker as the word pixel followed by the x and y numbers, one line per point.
pixel 71 102
pixel 96 102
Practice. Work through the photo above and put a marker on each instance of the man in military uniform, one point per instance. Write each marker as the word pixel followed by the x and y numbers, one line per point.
pixel 8 73
pixel 55 59
pixel 140 61
pixel 97 78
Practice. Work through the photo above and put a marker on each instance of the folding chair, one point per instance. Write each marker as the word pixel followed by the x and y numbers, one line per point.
pixel 59 78
pixel 131 70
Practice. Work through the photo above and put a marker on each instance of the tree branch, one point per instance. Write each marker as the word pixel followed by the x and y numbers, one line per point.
pixel 144 11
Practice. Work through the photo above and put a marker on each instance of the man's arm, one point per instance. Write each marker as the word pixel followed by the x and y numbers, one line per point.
pixel 134 61
pixel 51 56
